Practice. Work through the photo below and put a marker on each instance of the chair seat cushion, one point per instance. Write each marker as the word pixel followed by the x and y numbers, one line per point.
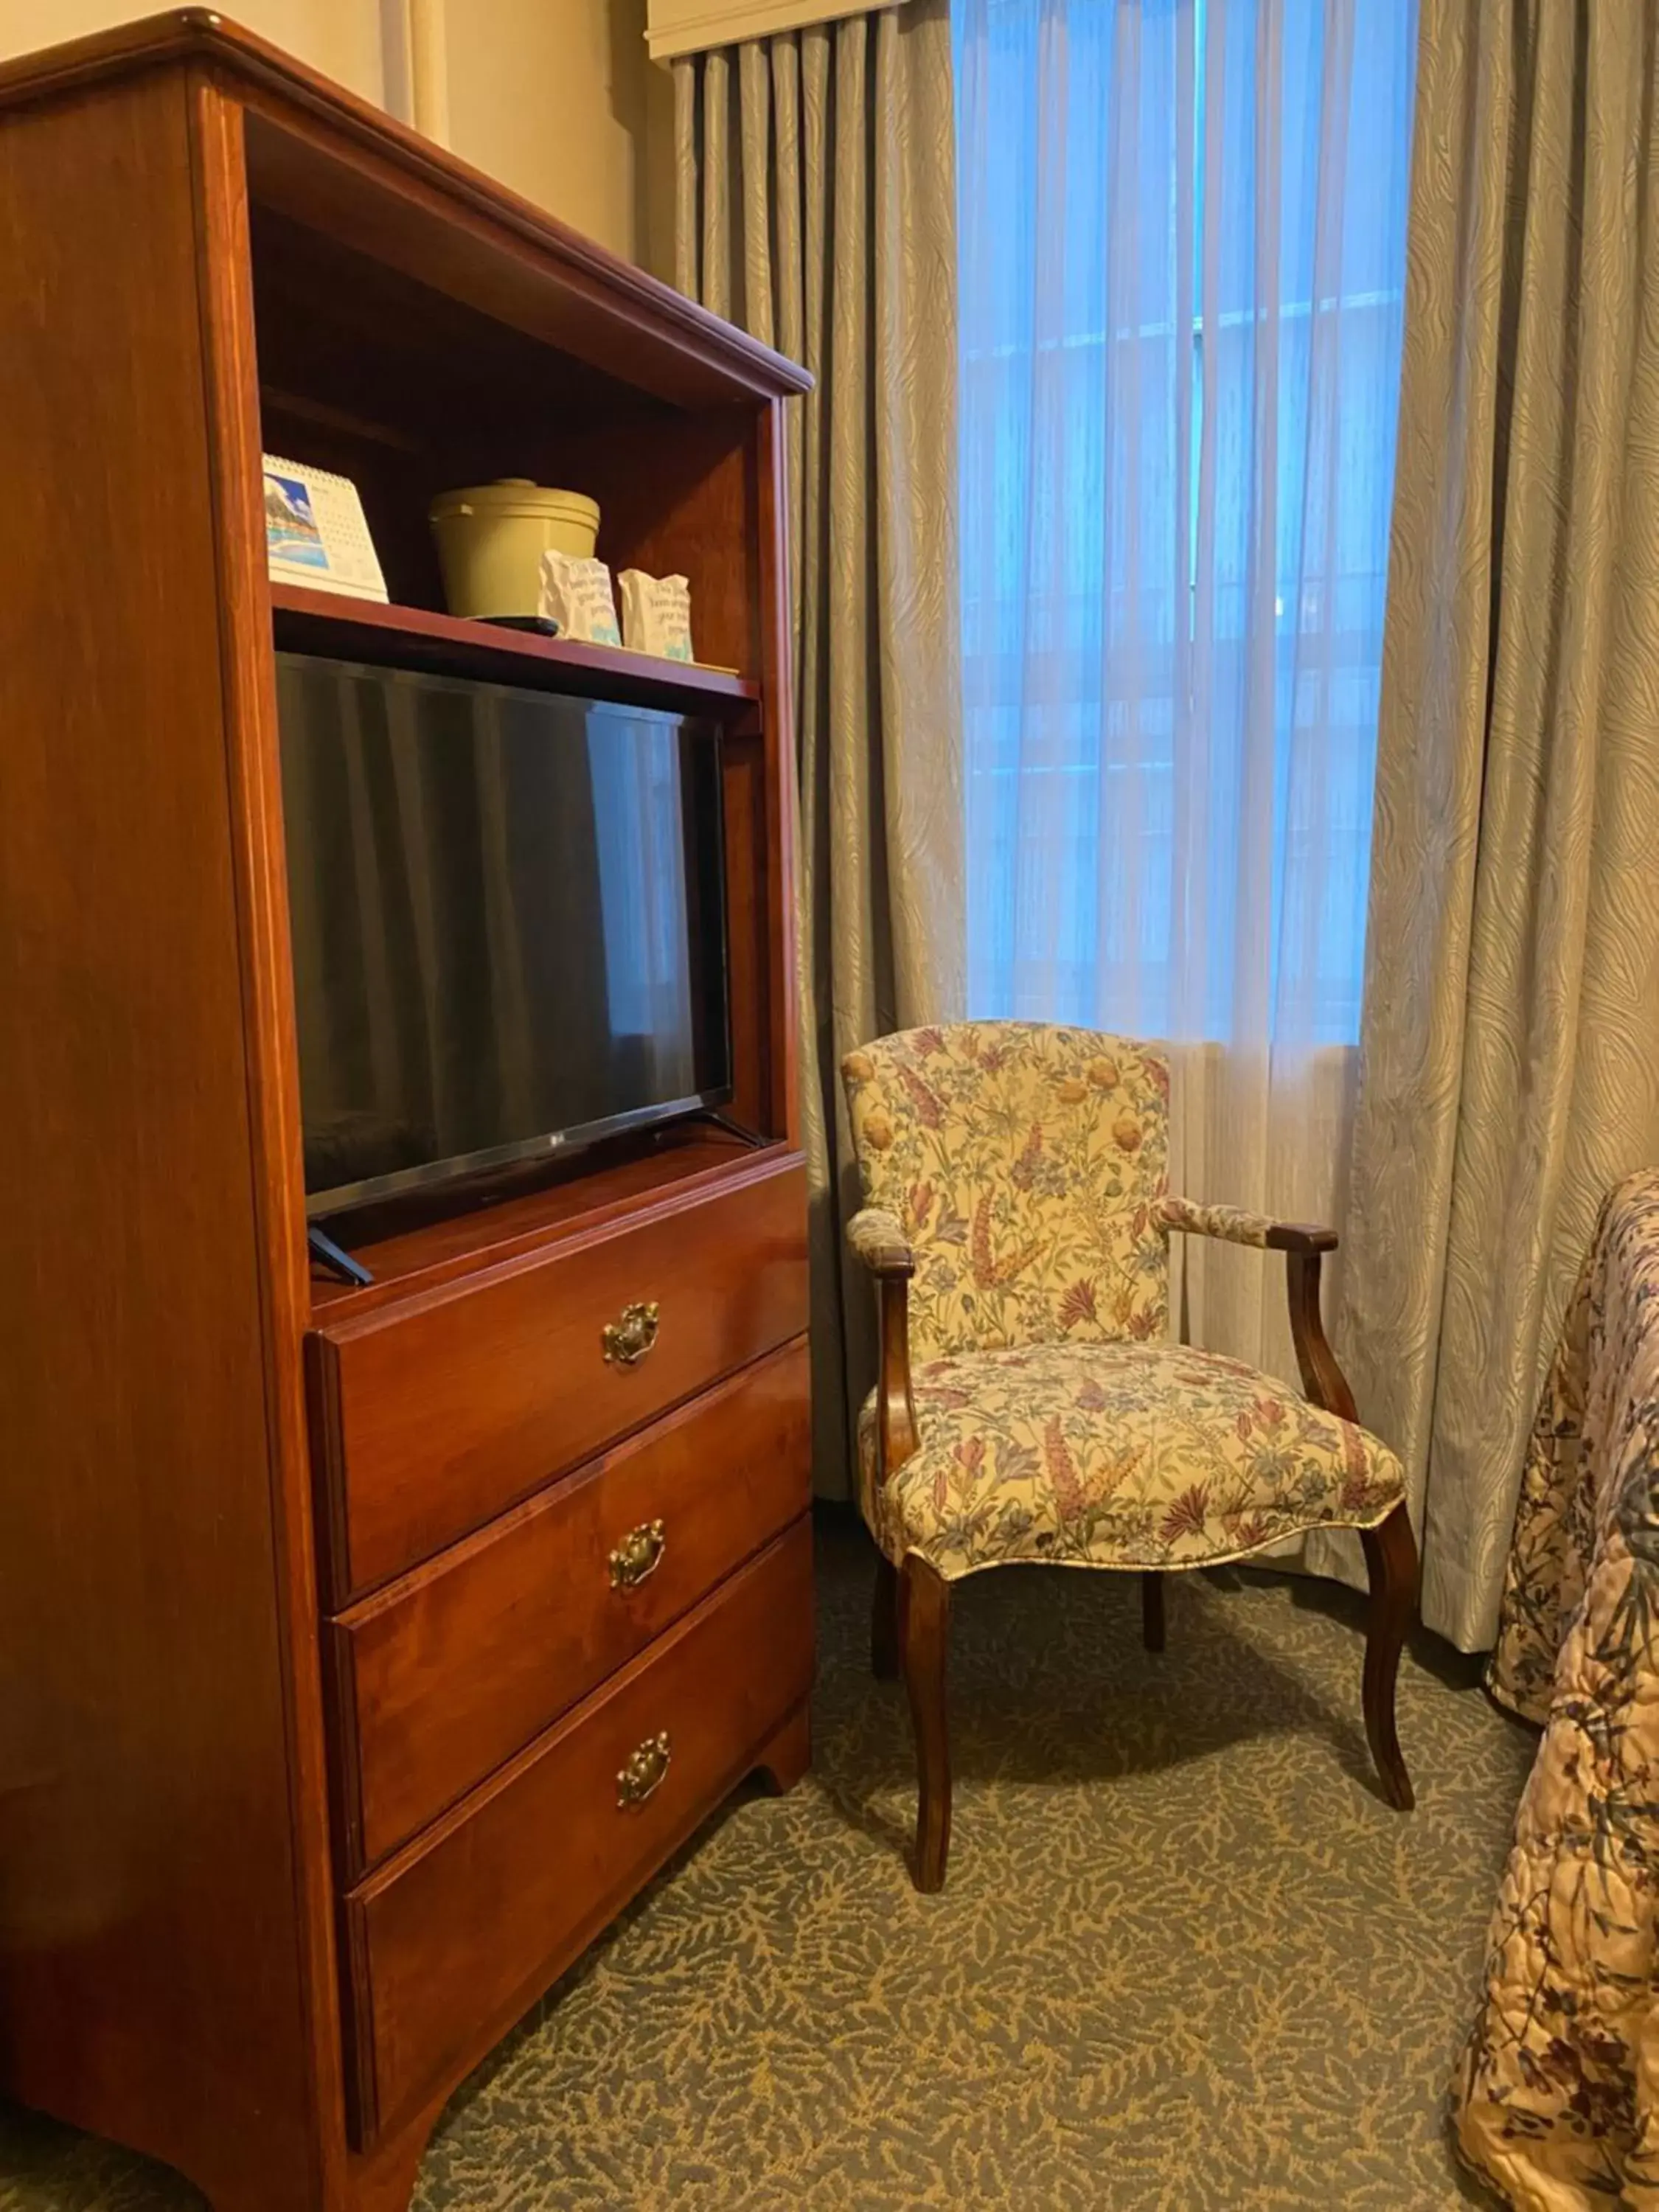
pixel 1115 1456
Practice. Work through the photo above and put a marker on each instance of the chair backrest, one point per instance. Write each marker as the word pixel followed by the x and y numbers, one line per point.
pixel 1025 1164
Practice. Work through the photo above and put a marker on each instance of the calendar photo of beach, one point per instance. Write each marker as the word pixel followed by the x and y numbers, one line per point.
pixel 291 532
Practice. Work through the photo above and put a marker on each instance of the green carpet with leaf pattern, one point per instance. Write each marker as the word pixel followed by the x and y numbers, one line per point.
pixel 1186 1958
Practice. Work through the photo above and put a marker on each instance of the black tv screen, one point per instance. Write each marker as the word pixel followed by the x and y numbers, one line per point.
pixel 508 921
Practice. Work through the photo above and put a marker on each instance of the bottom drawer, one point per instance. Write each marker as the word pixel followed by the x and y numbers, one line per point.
pixel 451 1939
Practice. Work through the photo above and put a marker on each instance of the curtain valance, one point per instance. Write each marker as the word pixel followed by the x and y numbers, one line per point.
pixel 673 27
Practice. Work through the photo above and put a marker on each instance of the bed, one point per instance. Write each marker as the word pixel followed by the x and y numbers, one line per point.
pixel 1556 2102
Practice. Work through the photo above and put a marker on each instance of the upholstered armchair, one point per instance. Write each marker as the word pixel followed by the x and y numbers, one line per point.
pixel 1030 1406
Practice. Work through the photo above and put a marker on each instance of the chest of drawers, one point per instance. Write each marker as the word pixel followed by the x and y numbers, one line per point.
pixel 446 1673
pixel 562 1503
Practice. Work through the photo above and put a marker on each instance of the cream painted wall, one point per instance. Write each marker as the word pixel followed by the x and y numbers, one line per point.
pixel 557 98
pixel 341 38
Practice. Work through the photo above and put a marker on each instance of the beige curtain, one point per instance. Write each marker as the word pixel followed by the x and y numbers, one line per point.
pixel 1509 1058
pixel 816 206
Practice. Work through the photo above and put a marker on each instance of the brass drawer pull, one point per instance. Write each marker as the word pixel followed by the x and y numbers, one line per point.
pixel 639 1554
pixel 644 1769
pixel 627 1341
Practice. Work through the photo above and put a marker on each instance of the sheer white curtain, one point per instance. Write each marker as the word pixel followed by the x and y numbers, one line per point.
pixel 1181 247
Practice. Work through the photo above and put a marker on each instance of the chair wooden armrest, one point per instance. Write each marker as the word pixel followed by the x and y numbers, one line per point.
pixel 878 1241
pixel 1238 1226
pixel 1305 1245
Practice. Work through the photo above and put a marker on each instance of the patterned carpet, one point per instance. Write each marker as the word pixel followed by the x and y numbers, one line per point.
pixel 1186 1962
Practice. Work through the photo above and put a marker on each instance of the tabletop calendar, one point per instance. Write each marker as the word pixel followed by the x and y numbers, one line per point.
pixel 316 533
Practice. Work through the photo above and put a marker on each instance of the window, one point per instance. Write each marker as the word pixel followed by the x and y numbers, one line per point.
pixel 1182 241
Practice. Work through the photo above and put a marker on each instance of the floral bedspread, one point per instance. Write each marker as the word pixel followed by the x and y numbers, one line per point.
pixel 1557 2099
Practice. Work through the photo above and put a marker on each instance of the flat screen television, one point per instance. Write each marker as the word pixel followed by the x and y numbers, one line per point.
pixel 508 921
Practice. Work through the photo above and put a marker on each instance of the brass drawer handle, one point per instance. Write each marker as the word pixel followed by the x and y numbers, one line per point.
pixel 627 1339
pixel 644 1772
pixel 639 1554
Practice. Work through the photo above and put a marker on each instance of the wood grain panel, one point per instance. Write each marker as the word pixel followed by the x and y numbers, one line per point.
pixel 748 944
pixel 433 1415
pixel 337 163
pixel 777 846
pixel 677 496
pixel 278 1186
pixel 144 1807
pixel 476 246
pixel 422 1238
pixel 451 1671
pixel 478 1917
pixel 450 645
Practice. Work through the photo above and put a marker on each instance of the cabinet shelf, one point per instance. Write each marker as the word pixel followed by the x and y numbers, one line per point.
pixel 329 622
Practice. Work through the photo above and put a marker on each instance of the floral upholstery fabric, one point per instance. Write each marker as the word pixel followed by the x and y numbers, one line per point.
pixel 879 1241
pixel 1115 1456
pixel 1020 1169
pixel 1024 1165
pixel 1557 2099
pixel 1233 1223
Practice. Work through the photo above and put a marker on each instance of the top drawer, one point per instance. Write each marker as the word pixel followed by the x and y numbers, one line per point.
pixel 429 1417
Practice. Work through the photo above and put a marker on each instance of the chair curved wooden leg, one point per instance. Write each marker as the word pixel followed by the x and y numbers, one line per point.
pixel 1391 1564
pixel 885 1622
pixel 924 1628
pixel 1151 1611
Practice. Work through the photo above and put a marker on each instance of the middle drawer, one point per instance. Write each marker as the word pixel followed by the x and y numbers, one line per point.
pixel 445 1674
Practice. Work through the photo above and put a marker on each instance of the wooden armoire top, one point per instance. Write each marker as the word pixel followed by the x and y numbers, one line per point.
pixel 313 146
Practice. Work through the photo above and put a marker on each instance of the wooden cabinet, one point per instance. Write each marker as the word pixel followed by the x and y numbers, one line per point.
pixel 362 1650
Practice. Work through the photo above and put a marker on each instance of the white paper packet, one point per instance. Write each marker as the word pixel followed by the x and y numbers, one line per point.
pixel 656 613
pixel 576 595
